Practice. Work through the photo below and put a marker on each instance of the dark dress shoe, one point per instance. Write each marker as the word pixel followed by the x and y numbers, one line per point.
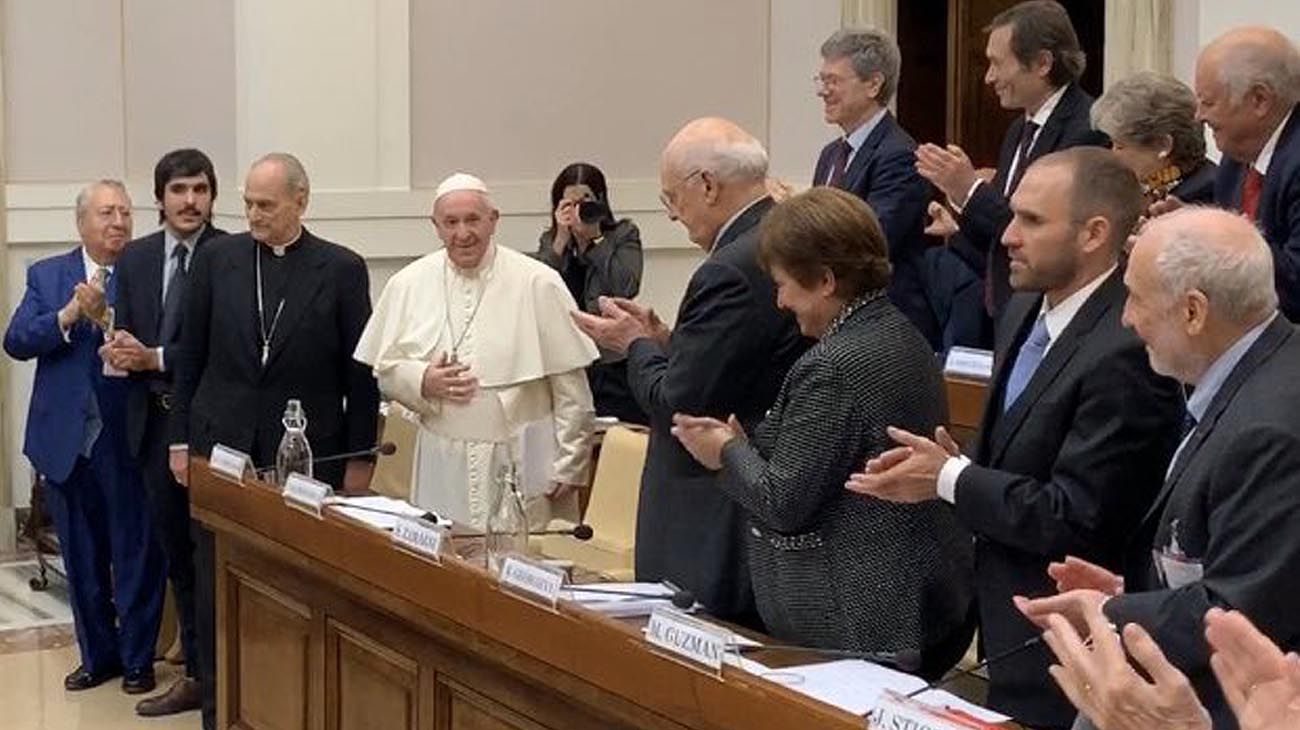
pixel 82 678
pixel 182 696
pixel 138 681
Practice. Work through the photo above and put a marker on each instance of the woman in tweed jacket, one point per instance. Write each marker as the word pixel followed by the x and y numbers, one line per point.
pixel 831 568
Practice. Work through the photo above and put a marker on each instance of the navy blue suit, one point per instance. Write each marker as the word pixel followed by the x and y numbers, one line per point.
pixel 94 495
pixel 883 173
pixel 1278 214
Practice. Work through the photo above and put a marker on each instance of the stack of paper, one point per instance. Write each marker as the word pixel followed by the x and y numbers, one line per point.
pixel 377 511
pixel 855 686
pixel 620 606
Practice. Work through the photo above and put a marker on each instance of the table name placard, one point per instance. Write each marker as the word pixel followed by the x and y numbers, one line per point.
pixel 420 536
pixel 228 462
pixel 534 580
pixel 893 711
pixel 307 494
pixel 696 641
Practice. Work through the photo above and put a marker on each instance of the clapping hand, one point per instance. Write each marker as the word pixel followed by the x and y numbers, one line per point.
pixel 704 437
pixel 909 472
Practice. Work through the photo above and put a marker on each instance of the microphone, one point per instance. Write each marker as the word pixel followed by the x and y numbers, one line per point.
pixel 681 598
pixel 579 532
pixel 960 672
pixel 904 660
pixel 429 516
pixel 387 448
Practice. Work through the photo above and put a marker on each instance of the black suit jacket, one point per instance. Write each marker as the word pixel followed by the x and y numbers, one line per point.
pixel 139 311
pixel 1234 492
pixel 1278 214
pixel 987 213
pixel 1069 470
pixel 224 395
pixel 1198 187
pixel 729 351
pixel 883 173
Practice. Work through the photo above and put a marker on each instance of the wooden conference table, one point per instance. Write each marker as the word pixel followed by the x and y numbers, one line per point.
pixel 323 623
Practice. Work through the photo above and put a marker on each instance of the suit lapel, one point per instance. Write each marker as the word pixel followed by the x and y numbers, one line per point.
pixel 1007 154
pixel 1062 350
pixel 241 278
pixel 1015 322
pixel 299 292
pixel 746 221
pixel 1274 184
pixel 152 283
pixel 862 158
pixel 1273 337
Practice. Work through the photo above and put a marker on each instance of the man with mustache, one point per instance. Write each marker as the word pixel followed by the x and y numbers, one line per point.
pixel 76 440
pixel 152 275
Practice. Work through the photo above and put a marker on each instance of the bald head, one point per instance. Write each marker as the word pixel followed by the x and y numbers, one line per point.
pixel 1255 55
pixel 710 170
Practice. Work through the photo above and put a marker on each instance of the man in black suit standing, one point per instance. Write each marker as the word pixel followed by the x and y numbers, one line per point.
pixel 151 278
pixel 270 315
pixel 1077 429
pixel 1248 90
pixel 1222 532
pixel 727 354
pixel 875 159
pixel 1034 65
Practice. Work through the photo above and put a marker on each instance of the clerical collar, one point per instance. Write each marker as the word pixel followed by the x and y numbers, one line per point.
pixel 281 250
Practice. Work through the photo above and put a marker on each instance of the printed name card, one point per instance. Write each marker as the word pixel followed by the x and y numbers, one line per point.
pixel 531 579
pixel 696 641
pixel 968 362
pixel 228 463
pixel 893 711
pixel 419 536
pixel 304 493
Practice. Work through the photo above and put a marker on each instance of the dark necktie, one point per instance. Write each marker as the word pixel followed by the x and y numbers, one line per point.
pixel 839 162
pixel 1022 159
pixel 171 317
pixel 1027 361
pixel 1251 185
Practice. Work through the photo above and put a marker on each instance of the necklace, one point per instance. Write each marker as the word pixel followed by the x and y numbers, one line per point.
pixel 850 309
pixel 446 306
pixel 262 330
pixel 1159 183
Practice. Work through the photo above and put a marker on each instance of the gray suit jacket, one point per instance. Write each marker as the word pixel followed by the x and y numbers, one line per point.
pixel 832 568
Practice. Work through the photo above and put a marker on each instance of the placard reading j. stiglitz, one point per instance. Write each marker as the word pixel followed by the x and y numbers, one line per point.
pixel 228 462
pixel 521 575
pixel 894 711
pixel 696 641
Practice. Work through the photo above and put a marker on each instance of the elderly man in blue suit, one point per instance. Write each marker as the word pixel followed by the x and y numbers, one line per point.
pixel 76 438
pixel 875 159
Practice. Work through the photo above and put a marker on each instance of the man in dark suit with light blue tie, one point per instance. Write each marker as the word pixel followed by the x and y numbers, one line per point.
pixel 151 277
pixel 1077 429
pixel 875 159
pixel 76 439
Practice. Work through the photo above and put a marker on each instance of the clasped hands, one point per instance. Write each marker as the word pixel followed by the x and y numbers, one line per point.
pixel 704 437
pixel 87 301
pixel 620 322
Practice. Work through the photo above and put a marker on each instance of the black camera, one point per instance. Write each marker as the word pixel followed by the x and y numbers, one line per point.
pixel 594 211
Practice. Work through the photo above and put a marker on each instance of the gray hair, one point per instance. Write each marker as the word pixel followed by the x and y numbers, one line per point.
pixel 83 197
pixel 1247 64
pixel 742 160
pixel 1237 279
pixel 870 52
pixel 295 175
pixel 1144 108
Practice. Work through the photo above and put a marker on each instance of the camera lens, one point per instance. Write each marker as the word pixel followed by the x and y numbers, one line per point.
pixel 594 211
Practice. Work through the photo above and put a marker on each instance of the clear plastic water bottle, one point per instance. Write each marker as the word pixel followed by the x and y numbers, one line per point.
pixel 294 454
pixel 507 524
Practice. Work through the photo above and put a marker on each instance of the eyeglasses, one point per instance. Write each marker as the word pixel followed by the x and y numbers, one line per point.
pixel 667 195
pixel 826 81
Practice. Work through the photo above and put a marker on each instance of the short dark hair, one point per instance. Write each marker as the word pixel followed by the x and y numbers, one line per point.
pixel 181 163
pixel 826 229
pixel 1101 185
pixel 1043 25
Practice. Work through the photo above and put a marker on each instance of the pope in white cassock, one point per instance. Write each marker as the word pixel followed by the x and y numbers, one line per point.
pixel 477 340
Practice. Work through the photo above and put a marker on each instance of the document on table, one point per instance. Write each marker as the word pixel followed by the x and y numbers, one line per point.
pixel 363 509
pixel 620 606
pixel 855 685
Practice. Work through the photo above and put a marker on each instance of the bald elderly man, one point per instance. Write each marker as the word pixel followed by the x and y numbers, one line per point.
pixel 727 355
pixel 1247 85
pixel 476 339
pixel 1223 529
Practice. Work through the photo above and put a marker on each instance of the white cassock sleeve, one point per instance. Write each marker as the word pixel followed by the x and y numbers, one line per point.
pixel 574 414
pixel 394 351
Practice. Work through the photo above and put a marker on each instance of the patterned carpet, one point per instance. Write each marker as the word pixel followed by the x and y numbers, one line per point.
pixel 23 608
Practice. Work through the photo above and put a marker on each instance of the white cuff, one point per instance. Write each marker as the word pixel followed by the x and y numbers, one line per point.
pixel 947 483
pixel 162 364
pixel 958 207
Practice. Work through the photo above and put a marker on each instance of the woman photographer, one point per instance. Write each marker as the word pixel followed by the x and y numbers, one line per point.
pixel 596 256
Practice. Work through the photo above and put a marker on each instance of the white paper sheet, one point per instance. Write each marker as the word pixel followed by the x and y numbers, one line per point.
pixel 348 505
pixel 855 685
pixel 620 606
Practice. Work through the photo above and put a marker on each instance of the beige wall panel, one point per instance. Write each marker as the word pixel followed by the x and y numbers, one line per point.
pixel 180 91
pixel 63 89
pixel 515 89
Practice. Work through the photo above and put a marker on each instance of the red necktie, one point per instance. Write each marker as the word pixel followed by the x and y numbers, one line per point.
pixel 839 162
pixel 1251 184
